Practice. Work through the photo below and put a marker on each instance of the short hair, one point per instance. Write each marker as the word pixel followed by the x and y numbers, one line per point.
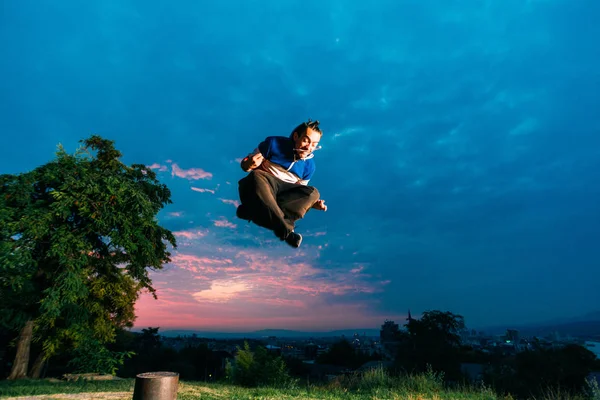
pixel 303 128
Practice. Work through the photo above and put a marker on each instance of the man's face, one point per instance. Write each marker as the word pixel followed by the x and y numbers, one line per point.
pixel 306 143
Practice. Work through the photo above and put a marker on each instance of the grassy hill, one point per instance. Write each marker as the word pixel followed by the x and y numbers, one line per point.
pixel 123 389
pixel 372 386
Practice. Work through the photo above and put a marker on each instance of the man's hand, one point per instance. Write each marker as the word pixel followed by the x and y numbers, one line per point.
pixel 252 162
pixel 320 205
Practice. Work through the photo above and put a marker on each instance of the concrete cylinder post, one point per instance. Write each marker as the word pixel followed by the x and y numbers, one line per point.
pixel 156 386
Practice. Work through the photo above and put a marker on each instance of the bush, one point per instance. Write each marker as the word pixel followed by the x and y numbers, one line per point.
pixel 593 389
pixel 430 382
pixel 93 357
pixel 369 381
pixel 258 368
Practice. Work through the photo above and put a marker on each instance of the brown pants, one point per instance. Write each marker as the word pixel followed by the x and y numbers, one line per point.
pixel 275 204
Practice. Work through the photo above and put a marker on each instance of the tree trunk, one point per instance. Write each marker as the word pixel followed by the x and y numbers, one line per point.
pixel 19 368
pixel 38 365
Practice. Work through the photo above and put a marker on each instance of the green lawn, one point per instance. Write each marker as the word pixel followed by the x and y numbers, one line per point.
pixel 39 387
pixel 372 386
pixel 123 389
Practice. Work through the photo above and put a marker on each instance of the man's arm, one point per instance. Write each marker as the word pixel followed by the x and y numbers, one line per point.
pixel 252 161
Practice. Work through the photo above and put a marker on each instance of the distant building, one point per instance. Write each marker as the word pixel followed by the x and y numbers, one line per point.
pixel 511 339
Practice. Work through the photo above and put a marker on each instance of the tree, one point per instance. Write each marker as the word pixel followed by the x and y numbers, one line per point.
pixel 78 236
pixel 565 368
pixel 259 367
pixel 433 340
pixel 341 354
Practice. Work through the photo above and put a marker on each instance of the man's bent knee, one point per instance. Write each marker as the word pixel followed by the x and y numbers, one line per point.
pixel 314 195
pixel 254 176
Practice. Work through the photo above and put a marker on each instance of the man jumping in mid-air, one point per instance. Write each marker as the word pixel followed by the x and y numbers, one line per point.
pixel 275 194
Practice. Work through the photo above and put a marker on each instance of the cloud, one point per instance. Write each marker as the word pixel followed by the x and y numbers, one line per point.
pixel 175 309
pixel 222 291
pixel 192 173
pixel 222 286
pixel 210 267
pixel 195 189
pixel 356 270
pixel 235 203
pixel 175 214
pixel 315 234
pixel 348 132
pixel 161 168
pixel 191 234
pixel 224 223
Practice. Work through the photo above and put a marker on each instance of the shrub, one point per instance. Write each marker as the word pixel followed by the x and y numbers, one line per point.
pixel 258 368
pixel 93 357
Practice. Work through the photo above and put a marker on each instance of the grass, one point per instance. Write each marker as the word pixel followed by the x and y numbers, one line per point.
pixel 27 387
pixel 114 390
pixel 372 385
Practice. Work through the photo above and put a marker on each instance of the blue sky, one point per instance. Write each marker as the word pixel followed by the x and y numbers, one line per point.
pixel 460 160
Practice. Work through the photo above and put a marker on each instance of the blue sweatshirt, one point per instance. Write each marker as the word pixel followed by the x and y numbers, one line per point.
pixel 282 161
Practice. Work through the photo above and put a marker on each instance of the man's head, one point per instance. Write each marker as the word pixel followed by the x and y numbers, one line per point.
pixel 306 137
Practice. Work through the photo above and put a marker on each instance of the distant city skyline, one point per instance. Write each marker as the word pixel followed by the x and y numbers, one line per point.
pixel 459 159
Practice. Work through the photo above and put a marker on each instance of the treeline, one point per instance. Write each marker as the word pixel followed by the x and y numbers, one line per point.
pixel 427 345
pixel 130 354
pixel 434 342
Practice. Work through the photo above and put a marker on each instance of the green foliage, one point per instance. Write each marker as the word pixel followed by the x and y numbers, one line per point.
pixel 258 368
pixel 93 357
pixel 378 383
pixel 369 380
pixel 428 382
pixel 432 342
pixel 593 389
pixel 28 387
pixel 375 385
pixel 78 236
pixel 189 390
pixel 543 371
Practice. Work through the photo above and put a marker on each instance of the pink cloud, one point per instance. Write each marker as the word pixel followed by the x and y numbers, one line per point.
pixel 192 173
pixel 161 168
pixel 202 190
pixel 190 258
pixel 224 223
pixel 214 268
pixel 191 234
pixel 183 311
pixel 235 203
pixel 273 275
pixel 231 288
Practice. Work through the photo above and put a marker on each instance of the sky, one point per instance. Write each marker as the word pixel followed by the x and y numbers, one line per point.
pixel 460 157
